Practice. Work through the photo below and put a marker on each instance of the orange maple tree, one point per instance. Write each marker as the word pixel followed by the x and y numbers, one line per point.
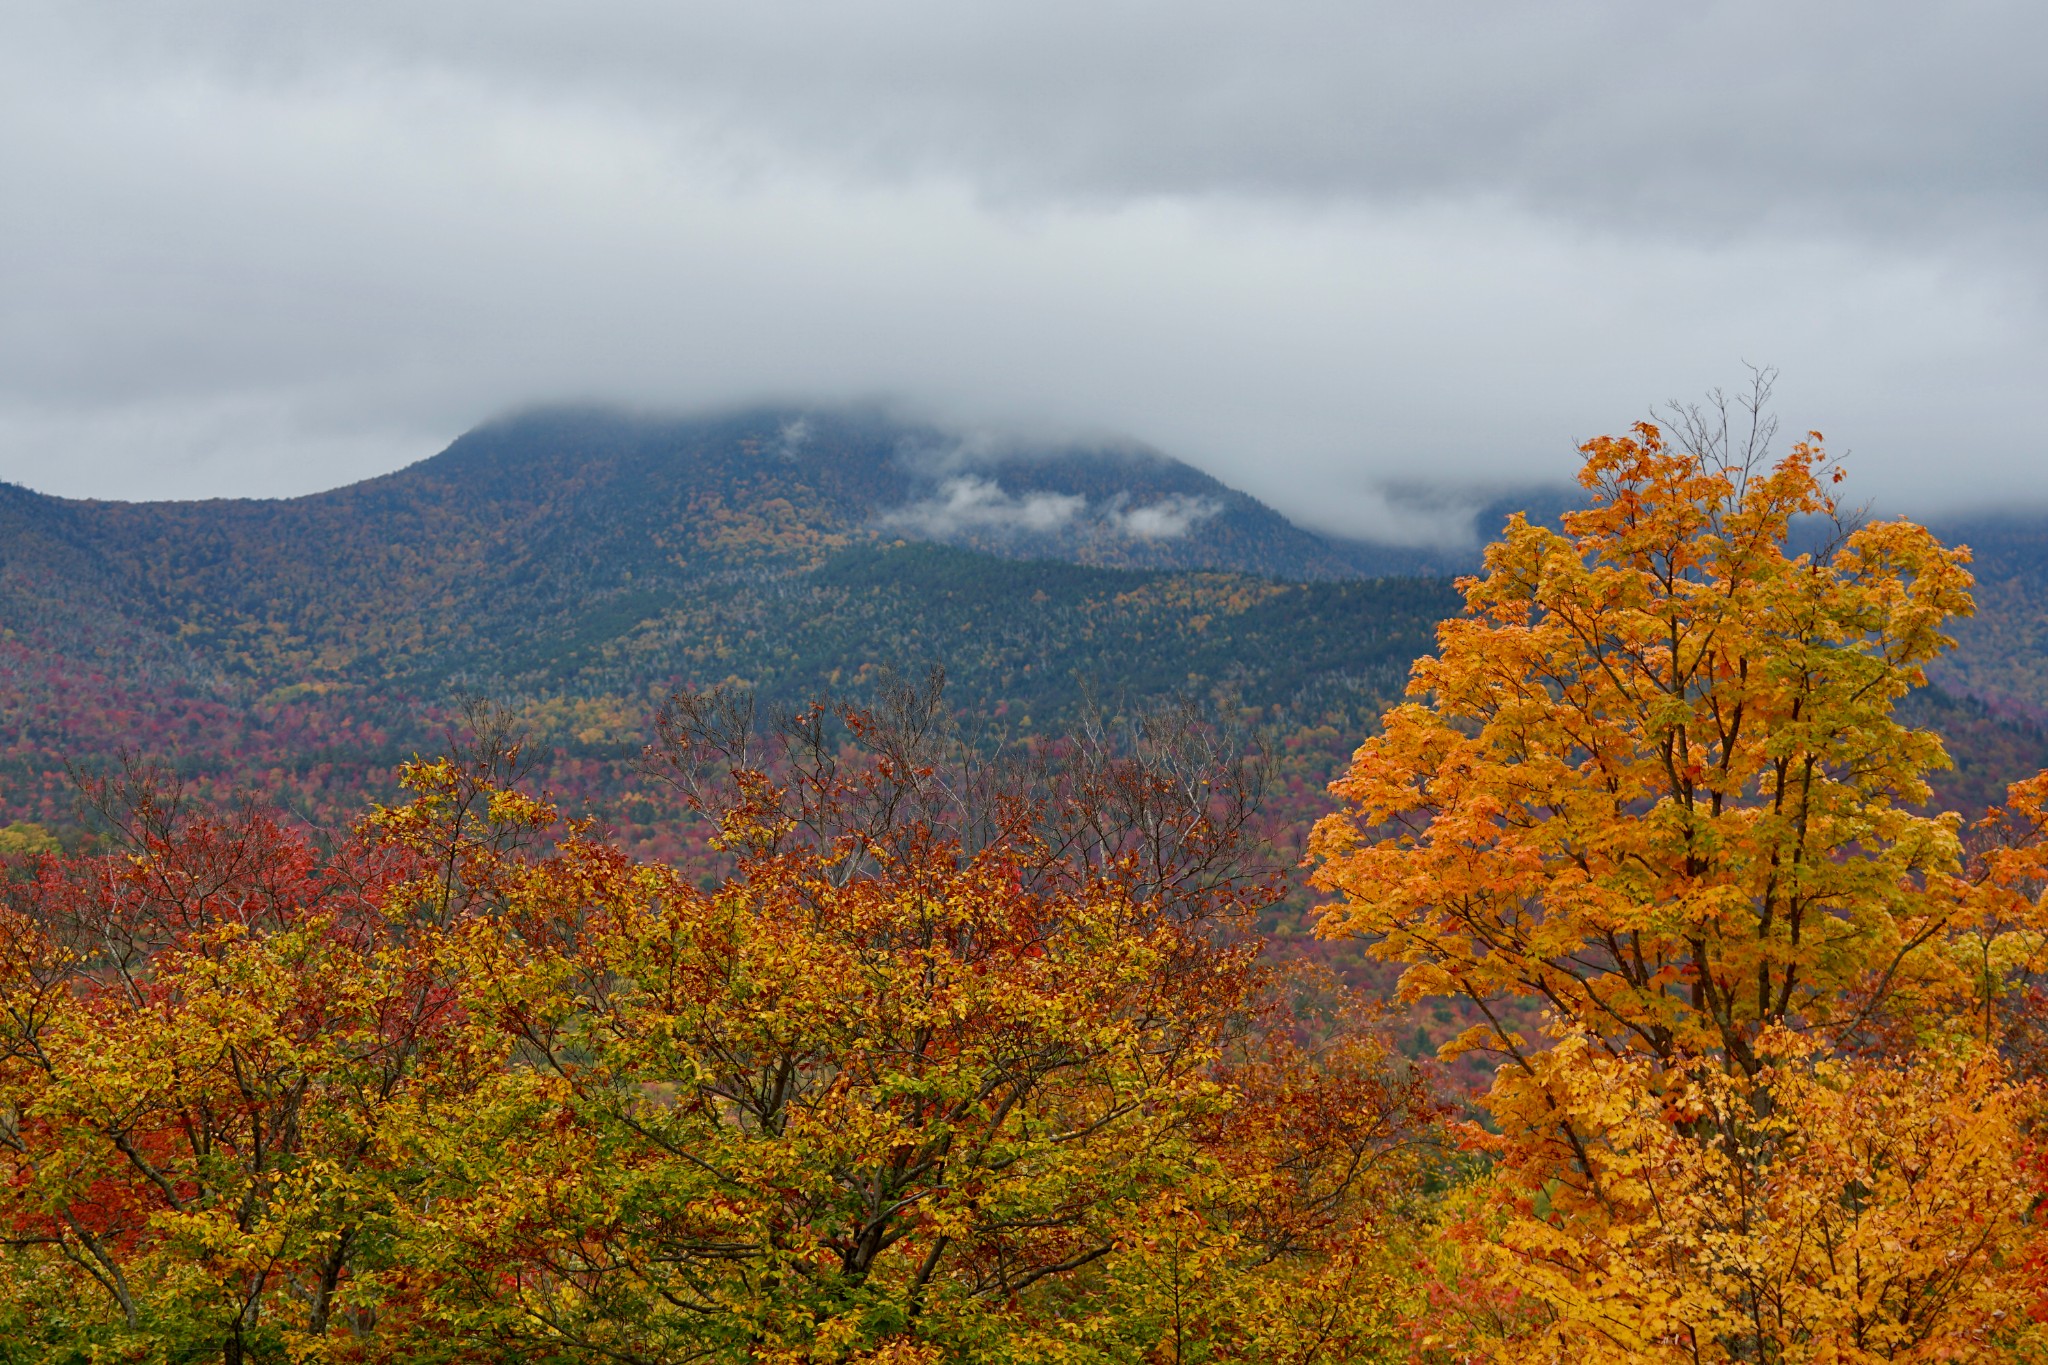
pixel 1652 789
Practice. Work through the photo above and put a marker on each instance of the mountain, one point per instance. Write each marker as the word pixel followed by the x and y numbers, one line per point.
pixel 576 563
pixel 525 527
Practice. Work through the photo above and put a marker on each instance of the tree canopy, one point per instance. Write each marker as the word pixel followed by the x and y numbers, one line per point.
pixel 930 1066
pixel 1650 812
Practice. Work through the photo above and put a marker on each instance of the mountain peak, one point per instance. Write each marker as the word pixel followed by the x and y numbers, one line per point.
pixel 859 471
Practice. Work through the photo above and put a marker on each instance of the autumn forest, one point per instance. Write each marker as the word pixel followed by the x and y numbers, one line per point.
pixel 750 891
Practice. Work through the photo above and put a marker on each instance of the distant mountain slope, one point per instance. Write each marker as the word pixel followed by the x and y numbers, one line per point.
pixel 1023 642
pixel 578 562
pixel 526 526
pixel 2002 653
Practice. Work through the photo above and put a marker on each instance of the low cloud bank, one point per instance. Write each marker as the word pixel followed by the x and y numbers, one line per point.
pixel 970 503
pixel 1172 517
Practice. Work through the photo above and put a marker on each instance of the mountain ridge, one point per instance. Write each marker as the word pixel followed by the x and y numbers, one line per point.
pixel 576 564
pixel 578 561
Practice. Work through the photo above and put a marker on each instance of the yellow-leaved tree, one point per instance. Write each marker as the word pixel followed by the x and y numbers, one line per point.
pixel 1651 790
pixel 959 1060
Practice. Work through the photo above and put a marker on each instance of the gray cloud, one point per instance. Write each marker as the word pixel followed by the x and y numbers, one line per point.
pixel 1713 116
pixel 1313 247
pixel 968 503
pixel 1170 518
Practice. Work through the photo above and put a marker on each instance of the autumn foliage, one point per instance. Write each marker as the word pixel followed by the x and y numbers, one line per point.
pixel 933 1067
pixel 1651 816
pixel 931 1050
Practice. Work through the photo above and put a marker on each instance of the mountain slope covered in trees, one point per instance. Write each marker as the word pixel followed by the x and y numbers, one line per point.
pixel 578 563
pixel 524 527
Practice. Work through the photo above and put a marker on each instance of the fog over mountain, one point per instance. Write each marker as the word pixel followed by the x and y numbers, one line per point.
pixel 1329 253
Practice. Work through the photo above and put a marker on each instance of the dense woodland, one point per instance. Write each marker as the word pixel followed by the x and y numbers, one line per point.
pixel 475 924
pixel 578 565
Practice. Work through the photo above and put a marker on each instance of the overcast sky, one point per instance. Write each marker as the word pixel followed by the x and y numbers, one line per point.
pixel 1315 248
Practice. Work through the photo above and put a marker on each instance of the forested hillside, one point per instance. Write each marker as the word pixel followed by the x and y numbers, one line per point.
pixel 577 564
pixel 525 527
pixel 1021 640
pixel 2002 652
